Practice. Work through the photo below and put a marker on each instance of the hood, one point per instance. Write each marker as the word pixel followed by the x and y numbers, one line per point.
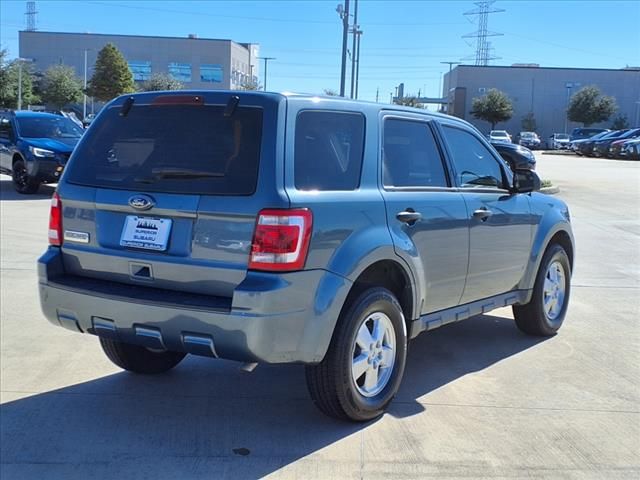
pixel 58 145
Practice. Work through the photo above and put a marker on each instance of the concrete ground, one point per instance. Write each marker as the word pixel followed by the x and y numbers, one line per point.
pixel 479 399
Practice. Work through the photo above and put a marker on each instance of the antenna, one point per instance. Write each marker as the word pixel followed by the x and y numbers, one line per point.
pixel 31 16
pixel 482 56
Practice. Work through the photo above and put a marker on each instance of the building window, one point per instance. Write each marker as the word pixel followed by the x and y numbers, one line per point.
pixel 180 71
pixel 211 73
pixel 141 71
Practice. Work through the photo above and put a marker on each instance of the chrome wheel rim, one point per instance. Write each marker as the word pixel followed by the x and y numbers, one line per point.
pixel 373 354
pixel 553 291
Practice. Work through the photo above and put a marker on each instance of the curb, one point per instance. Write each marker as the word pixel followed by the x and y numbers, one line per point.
pixel 557 152
pixel 550 190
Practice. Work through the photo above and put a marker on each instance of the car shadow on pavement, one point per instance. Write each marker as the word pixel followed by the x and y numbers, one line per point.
pixel 208 419
pixel 7 192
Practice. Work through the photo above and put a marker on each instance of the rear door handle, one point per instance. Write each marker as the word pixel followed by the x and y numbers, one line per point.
pixel 408 216
pixel 482 214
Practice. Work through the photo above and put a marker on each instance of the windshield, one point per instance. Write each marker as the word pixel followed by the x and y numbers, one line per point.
pixel 172 148
pixel 48 127
pixel 499 133
pixel 562 136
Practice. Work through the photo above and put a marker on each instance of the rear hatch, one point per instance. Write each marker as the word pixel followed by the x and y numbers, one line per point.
pixel 164 190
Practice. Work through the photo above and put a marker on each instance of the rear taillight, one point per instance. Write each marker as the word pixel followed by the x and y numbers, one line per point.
pixel 281 240
pixel 55 221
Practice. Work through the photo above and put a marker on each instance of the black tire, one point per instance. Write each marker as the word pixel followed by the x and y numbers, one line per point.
pixel 532 318
pixel 139 359
pixel 330 382
pixel 22 181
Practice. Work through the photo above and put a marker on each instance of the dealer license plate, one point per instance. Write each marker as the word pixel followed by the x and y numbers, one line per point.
pixel 146 232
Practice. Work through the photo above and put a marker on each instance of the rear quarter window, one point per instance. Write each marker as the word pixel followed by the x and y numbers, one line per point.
pixel 328 150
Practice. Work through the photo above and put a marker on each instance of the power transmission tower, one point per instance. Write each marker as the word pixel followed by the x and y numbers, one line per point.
pixel 31 16
pixel 482 12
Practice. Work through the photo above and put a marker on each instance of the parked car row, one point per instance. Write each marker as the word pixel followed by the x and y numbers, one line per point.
pixel 611 144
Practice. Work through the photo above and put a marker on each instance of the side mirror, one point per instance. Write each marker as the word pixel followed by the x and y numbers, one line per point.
pixel 525 181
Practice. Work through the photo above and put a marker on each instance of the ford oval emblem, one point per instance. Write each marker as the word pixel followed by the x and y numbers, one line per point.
pixel 141 202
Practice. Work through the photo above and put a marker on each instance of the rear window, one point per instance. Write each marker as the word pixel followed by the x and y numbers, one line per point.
pixel 172 148
pixel 328 150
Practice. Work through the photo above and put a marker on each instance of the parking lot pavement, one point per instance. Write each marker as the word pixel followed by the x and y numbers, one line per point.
pixel 479 399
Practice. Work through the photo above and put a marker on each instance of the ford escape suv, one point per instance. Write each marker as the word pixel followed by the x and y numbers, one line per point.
pixel 272 228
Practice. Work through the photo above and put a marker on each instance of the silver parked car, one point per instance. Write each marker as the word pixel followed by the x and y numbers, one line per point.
pixel 559 141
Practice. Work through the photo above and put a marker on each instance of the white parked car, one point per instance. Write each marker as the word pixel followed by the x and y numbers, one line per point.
pixel 499 136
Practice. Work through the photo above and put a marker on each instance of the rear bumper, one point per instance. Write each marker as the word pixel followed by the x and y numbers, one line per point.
pixel 272 318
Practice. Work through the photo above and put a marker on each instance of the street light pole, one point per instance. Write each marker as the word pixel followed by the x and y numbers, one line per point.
pixel 19 84
pixel 568 86
pixel 354 31
pixel 449 83
pixel 20 61
pixel 84 102
pixel 266 59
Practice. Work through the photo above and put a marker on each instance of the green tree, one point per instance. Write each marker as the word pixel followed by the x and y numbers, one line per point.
pixel 409 101
pixel 111 76
pixel 60 86
pixel 529 123
pixel 494 107
pixel 589 106
pixel 620 122
pixel 9 75
pixel 161 81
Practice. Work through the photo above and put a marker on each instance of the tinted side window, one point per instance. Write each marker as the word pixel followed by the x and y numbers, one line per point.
pixel 411 157
pixel 328 150
pixel 5 129
pixel 474 163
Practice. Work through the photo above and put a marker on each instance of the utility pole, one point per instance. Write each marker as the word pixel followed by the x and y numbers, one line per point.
pixel 449 83
pixel 353 48
pixel 358 33
pixel 378 94
pixel 266 59
pixel 344 15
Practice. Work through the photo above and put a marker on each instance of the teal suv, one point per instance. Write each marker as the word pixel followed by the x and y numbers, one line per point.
pixel 272 228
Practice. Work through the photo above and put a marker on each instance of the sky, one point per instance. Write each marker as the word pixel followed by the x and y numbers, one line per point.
pixel 402 41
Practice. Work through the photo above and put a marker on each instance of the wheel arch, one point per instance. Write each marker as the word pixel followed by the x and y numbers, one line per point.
pixel 17 156
pixel 392 275
pixel 558 234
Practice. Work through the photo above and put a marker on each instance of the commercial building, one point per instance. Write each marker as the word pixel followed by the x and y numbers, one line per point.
pixel 200 63
pixel 543 91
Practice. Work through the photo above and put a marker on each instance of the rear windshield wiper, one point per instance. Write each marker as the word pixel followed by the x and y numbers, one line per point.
pixel 177 173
